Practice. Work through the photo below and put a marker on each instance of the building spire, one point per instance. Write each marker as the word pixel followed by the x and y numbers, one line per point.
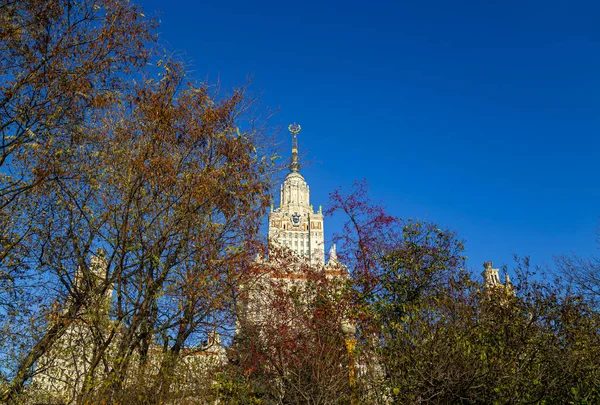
pixel 294 130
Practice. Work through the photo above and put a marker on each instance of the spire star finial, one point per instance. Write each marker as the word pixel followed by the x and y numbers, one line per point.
pixel 294 128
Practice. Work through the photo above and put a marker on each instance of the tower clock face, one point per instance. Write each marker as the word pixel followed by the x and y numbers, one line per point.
pixel 296 219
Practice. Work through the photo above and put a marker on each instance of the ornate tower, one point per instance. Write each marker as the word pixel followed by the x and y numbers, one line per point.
pixel 294 224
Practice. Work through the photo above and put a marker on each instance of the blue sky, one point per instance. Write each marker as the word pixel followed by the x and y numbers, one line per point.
pixel 482 116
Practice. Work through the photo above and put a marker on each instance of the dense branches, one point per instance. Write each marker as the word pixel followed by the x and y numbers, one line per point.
pixel 432 334
pixel 131 199
pixel 290 347
pixel 426 330
pixel 148 192
pixel 60 58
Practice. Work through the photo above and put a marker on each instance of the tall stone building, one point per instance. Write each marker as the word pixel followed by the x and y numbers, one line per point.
pixel 61 373
pixel 294 228
pixel 295 224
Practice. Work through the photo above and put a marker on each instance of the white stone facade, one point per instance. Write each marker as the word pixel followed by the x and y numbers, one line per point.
pixel 491 277
pixel 295 224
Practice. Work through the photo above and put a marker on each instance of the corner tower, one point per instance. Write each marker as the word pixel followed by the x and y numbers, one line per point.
pixel 294 224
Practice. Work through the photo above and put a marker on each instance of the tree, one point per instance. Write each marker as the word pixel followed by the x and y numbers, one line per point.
pixel 290 348
pixel 159 175
pixel 59 61
pixel 429 333
pixel 397 266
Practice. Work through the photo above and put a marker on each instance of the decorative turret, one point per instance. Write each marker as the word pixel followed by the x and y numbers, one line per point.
pixel 90 281
pixel 333 259
pixel 334 268
pixel 492 279
pixel 492 283
pixel 490 275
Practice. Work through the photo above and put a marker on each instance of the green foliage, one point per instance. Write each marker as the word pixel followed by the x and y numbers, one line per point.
pixel 431 334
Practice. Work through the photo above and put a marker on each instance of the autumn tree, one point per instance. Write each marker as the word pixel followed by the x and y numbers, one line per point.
pixel 431 333
pixel 290 347
pixel 173 193
pixel 475 344
pixel 164 178
pixel 396 265
pixel 59 60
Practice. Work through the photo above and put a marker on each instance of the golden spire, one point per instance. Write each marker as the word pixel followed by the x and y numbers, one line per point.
pixel 294 130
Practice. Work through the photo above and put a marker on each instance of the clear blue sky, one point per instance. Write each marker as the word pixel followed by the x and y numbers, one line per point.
pixel 483 116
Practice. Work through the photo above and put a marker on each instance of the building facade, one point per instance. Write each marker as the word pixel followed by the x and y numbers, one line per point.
pixel 295 224
pixel 294 228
